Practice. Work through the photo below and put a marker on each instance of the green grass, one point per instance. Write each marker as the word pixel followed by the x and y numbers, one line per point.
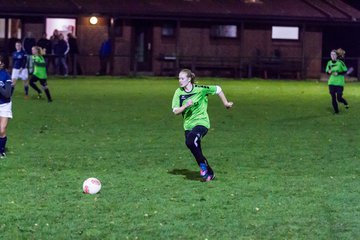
pixel 287 168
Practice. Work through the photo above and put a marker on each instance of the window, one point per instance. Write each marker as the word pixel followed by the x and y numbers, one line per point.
pixel 63 25
pixel 14 29
pixel 285 33
pixel 223 31
pixel 168 30
pixel 2 27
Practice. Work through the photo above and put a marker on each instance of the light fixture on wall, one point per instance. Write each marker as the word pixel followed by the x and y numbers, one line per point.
pixel 93 20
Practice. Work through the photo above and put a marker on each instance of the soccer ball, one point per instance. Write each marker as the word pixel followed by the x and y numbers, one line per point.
pixel 91 186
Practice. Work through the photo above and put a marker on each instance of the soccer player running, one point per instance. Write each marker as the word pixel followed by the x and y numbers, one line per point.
pixel 336 68
pixel 20 70
pixel 191 101
pixel 39 72
pixel 6 87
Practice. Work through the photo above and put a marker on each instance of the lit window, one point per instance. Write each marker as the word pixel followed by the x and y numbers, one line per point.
pixel 223 31
pixel 63 25
pixel 285 33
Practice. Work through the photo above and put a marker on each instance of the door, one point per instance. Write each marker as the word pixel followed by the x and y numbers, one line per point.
pixel 142 53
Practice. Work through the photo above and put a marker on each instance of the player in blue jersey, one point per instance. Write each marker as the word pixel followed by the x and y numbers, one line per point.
pixel 5 105
pixel 19 70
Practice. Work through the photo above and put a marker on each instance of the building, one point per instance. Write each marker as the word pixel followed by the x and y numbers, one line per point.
pixel 242 38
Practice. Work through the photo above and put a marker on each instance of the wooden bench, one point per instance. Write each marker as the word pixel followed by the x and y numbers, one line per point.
pixel 277 67
pixel 216 66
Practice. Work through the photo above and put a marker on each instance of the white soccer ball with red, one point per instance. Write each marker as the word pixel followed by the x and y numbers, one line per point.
pixel 91 186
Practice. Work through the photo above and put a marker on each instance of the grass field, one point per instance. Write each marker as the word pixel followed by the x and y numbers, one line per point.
pixel 287 168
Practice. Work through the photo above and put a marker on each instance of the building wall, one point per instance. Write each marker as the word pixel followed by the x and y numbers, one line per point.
pixel 313 53
pixel 194 40
pixel 36 29
pixel 89 39
pixel 257 41
pixel 122 52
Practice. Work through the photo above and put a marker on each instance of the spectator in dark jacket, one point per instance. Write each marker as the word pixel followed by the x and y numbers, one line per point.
pixel 11 44
pixel 54 39
pixel 104 55
pixel 60 51
pixel 45 43
pixel 28 43
pixel 73 52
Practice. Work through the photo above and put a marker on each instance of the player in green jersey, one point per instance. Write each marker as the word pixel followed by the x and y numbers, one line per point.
pixel 39 73
pixel 191 100
pixel 336 68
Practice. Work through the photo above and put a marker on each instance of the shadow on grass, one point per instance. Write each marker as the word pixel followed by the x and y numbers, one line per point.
pixel 190 175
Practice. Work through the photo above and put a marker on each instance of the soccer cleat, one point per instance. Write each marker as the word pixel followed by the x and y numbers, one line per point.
pixel 347 106
pixel 209 177
pixel 206 173
pixel 2 155
pixel 203 170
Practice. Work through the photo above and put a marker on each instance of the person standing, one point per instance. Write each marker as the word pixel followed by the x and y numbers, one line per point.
pixel 104 56
pixel 60 51
pixel 191 100
pixel 6 90
pixel 28 43
pixel 336 68
pixel 73 53
pixel 19 67
pixel 54 39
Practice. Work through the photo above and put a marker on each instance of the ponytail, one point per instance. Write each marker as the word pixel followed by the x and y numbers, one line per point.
pixel 189 74
pixel 340 53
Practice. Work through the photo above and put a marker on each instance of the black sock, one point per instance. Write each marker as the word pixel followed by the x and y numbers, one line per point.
pixel 26 89
pixel 33 85
pixel 47 92
pixel 2 144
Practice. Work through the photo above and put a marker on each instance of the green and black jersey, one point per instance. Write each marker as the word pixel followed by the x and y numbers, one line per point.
pixel 197 113
pixel 340 68
pixel 39 67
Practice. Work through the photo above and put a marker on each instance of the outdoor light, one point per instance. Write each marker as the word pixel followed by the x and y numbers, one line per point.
pixel 93 20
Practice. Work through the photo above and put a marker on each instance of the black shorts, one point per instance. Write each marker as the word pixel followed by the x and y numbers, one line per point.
pixel 336 89
pixel 198 131
pixel 34 78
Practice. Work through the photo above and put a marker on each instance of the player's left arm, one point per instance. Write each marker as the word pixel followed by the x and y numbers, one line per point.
pixel 218 91
pixel 224 100
pixel 343 69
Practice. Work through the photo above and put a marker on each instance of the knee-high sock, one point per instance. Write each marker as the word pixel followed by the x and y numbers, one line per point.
pixel 341 99
pixel 47 92
pixel 35 87
pixel 2 144
pixel 334 102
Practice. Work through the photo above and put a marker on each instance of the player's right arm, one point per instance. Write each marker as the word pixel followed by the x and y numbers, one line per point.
pixel 181 109
pixel 328 67
pixel 177 109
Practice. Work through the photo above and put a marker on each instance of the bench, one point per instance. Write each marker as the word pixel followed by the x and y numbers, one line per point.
pixel 277 67
pixel 213 66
